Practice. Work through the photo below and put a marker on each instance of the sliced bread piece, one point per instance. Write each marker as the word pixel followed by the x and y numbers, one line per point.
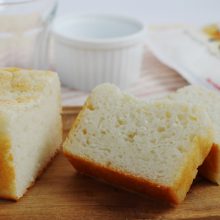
pixel 30 127
pixel 152 148
pixel 210 101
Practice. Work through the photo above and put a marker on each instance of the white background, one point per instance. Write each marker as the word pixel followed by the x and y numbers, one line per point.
pixel 150 11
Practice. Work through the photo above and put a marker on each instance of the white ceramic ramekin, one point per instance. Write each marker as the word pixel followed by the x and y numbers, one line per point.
pixel 92 49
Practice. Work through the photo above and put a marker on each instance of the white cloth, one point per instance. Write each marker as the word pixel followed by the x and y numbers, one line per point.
pixel 184 51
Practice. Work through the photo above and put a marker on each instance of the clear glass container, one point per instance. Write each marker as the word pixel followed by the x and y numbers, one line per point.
pixel 24 30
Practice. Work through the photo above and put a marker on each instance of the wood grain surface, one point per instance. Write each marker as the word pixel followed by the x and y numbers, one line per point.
pixel 61 193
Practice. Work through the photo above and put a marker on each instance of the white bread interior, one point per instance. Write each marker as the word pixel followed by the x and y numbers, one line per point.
pixel 210 101
pixel 30 128
pixel 153 148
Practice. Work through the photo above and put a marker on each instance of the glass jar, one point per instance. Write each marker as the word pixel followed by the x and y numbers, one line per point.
pixel 24 28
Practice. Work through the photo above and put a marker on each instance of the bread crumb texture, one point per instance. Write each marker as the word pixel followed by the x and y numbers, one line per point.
pixel 30 127
pixel 162 142
pixel 210 101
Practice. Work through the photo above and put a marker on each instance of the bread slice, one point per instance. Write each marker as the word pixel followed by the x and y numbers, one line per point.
pixel 152 148
pixel 30 127
pixel 209 100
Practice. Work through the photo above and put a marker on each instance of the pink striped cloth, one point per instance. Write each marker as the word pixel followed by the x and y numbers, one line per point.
pixel 156 80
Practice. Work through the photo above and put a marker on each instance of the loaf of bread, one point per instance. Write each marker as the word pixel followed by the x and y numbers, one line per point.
pixel 30 127
pixel 151 148
pixel 210 101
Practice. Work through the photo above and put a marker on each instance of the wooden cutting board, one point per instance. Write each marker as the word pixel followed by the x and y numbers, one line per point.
pixel 61 193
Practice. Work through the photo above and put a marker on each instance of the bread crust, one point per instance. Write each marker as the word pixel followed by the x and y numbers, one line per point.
pixel 200 149
pixel 198 95
pixel 173 194
pixel 118 178
pixel 23 90
pixel 15 80
pixel 210 167
pixel 7 172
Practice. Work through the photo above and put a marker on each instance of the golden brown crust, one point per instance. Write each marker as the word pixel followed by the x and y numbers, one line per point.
pixel 195 158
pixel 210 167
pixel 123 180
pixel 22 86
pixel 17 86
pixel 173 194
pixel 7 172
